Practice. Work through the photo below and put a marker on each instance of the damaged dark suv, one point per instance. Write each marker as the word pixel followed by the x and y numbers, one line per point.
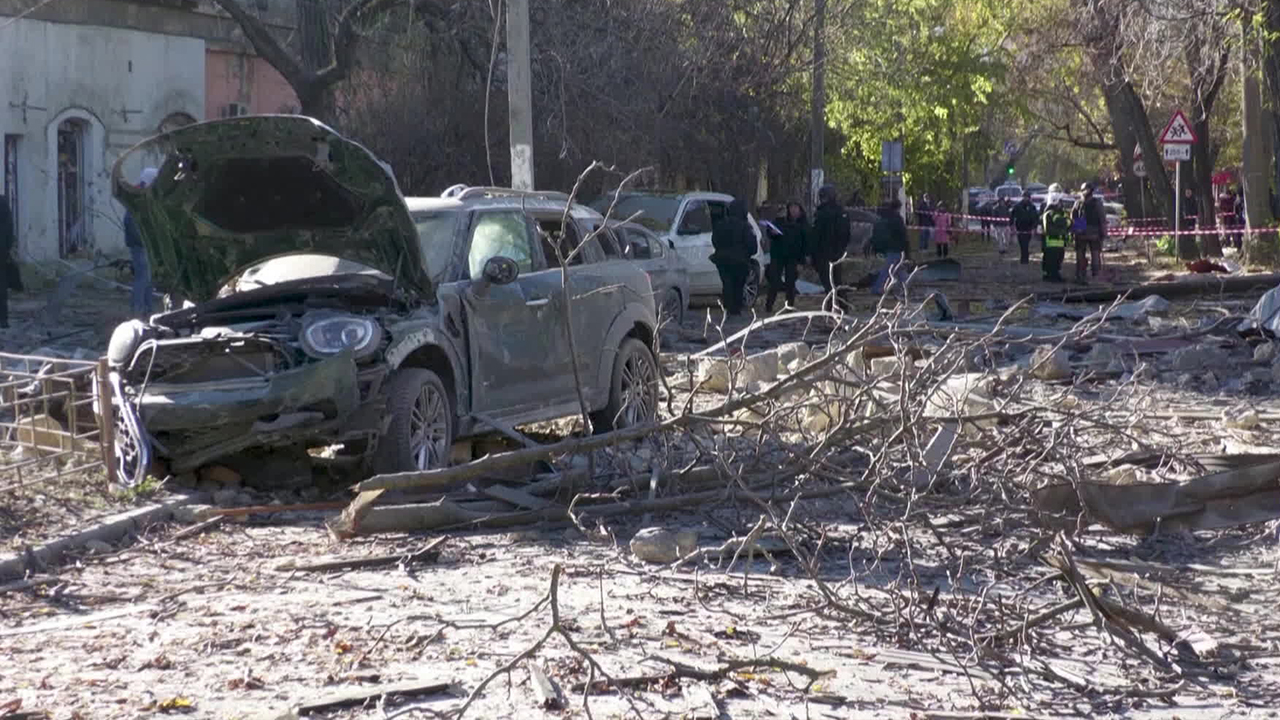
pixel 319 307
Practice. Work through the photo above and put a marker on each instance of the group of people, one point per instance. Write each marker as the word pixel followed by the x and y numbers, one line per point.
pixel 792 241
pixel 1084 224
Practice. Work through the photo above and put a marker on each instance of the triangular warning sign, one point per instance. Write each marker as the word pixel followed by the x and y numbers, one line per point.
pixel 1178 131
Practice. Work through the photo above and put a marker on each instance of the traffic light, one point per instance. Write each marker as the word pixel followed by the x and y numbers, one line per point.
pixel 1009 168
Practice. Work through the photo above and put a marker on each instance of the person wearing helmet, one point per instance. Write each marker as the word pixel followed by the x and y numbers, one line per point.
pixel 1089 227
pixel 1056 228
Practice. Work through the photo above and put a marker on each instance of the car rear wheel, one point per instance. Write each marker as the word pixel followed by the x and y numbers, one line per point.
pixel 633 391
pixel 420 427
pixel 672 308
pixel 751 290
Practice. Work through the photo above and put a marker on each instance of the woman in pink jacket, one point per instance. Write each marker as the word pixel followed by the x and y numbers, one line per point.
pixel 942 229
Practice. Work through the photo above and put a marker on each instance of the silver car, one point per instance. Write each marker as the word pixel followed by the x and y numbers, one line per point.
pixel 667 274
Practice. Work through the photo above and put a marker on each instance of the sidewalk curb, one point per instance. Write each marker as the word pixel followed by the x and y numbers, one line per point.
pixel 110 529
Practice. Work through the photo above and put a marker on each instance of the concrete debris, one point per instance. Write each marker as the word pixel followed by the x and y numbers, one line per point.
pixel 660 545
pixel 193 513
pixel 1240 418
pixel 1265 353
pixel 1124 311
pixel 1265 315
pixel 1050 364
pixel 1209 383
pixel 886 366
pixel 1192 359
pixel 1102 355
pixel 934 455
pixel 229 497
pixel 719 374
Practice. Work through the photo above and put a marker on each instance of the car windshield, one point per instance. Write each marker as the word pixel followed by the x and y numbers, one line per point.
pixel 653 212
pixel 436 233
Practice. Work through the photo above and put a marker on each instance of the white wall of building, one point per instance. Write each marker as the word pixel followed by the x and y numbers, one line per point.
pixel 119 86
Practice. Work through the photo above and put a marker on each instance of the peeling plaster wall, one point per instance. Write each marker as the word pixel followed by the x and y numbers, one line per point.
pixel 245 79
pixel 120 83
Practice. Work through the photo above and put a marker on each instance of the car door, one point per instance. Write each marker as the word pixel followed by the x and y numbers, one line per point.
pixel 646 251
pixel 693 246
pixel 515 332
pixel 596 295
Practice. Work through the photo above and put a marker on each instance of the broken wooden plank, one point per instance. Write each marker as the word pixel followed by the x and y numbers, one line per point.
pixel 78 621
pixel 427 554
pixel 515 497
pixel 268 509
pixel 360 695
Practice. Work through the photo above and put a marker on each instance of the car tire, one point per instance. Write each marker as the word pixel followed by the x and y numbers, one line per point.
pixel 672 308
pixel 751 289
pixel 420 424
pixel 634 380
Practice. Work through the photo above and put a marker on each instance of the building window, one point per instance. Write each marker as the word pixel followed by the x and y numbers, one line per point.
pixel 72 232
pixel 11 176
pixel 234 109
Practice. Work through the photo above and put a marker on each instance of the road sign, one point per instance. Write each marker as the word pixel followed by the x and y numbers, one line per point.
pixel 1177 152
pixel 891 156
pixel 1178 131
pixel 1137 152
pixel 1139 168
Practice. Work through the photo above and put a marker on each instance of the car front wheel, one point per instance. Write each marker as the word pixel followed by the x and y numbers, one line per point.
pixel 751 290
pixel 420 423
pixel 633 391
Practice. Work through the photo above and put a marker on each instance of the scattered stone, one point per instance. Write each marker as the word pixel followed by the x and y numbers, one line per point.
pixel 1264 353
pixel 1102 355
pixel 1193 359
pixel 98 547
pixel 660 545
pixel 1209 382
pixel 883 366
pixel 1050 364
pixel 792 353
pixel 1240 418
pixel 1185 380
pixel 716 374
pixel 229 497
pixel 192 513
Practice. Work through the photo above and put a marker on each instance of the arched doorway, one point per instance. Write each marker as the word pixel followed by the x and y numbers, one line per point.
pixel 73 231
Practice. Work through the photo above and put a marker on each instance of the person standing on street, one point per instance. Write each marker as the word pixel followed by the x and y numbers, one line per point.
pixel 8 268
pixel 1001 219
pixel 1089 226
pixel 1056 228
pixel 942 230
pixel 986 212
pixel 925 219
pixel 1026 218
pixel 786 252
pixel 830 237
pixel 140 302
pixel 889 237
pixel 734 244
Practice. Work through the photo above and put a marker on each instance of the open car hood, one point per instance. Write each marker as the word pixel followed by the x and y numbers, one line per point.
pixel 230 193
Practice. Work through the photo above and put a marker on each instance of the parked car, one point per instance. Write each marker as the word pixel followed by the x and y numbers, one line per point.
pixel 633 242
pixel 685 220
pixel 320 307
pixel 1013 191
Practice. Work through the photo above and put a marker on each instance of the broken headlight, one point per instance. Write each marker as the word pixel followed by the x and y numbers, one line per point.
pixel 327 335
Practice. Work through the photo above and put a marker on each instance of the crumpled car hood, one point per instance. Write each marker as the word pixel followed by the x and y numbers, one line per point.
pixel 230 193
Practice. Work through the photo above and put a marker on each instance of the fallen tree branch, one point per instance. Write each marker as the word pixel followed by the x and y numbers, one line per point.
pixel 427 554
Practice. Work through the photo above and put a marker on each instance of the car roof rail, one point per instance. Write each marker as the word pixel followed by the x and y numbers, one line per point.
pixel 462 192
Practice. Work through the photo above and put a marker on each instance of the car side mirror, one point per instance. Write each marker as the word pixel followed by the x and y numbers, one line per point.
pixel 500 270
pixel 671 243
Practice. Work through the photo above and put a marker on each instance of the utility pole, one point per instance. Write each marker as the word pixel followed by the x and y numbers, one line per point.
pixel 520 94
pixel 818 110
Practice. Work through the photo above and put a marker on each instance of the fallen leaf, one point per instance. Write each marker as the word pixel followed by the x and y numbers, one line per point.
pixel 177 704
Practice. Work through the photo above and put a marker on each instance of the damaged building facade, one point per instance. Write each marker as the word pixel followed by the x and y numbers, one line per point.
pixel 81 81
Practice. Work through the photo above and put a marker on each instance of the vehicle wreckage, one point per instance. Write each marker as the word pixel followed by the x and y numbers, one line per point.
pixel 313 305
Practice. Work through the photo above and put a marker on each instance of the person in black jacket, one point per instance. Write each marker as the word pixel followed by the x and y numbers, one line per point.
pixel 1026 218
pixel 830 238
pixel 786 252
pixel 733 244
pixel 8 269
pixel 889 238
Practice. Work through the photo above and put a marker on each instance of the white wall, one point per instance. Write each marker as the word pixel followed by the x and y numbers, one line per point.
pixel 91 73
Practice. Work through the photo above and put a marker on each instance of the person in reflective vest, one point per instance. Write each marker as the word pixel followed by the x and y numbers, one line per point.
pixel 1056 228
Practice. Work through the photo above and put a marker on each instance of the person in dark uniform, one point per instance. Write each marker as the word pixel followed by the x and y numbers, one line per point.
pixel 831 235
pixel 734 244
pixel 1025 220
pixel 786 252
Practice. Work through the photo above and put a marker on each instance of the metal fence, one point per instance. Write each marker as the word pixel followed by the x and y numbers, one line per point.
pixel 51 421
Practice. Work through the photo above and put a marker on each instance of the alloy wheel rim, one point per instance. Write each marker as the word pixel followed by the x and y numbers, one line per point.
pixel 428 428
pixel 639 396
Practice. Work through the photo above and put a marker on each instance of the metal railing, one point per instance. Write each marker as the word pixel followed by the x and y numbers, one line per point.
pixel 55 419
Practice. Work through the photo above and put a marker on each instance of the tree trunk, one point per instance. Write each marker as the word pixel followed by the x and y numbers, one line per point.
pixel 1256 171
pixel 1206 208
